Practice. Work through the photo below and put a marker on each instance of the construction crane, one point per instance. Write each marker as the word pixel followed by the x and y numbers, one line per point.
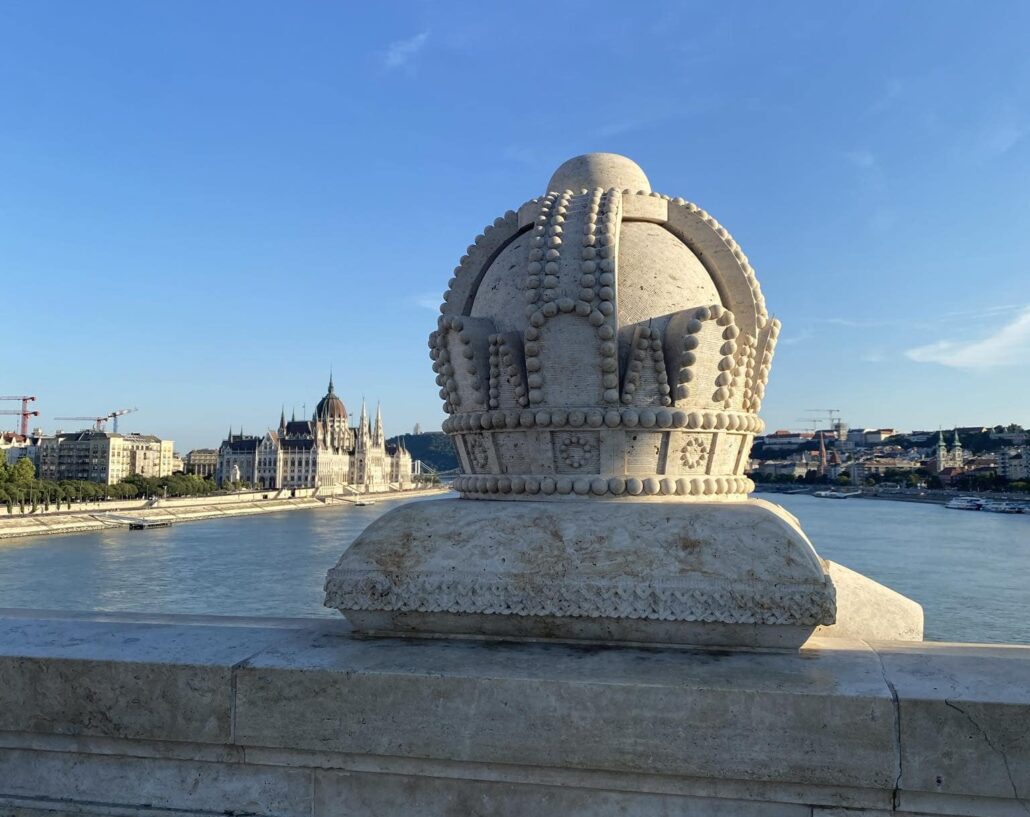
pixel 25 412
pixel 833 418
pixel 98 422
pixel 114 415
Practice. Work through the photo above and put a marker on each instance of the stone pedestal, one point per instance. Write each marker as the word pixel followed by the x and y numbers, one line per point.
pixel 707 573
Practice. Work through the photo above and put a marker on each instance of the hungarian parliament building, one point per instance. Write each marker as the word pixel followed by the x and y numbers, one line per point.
pixel 325 452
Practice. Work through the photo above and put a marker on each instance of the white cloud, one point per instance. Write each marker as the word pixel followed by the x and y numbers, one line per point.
pixel 987 310
pixel 801 336
pixel 851 323
pixel 1008 346
pixel 426 300
pixel 400 53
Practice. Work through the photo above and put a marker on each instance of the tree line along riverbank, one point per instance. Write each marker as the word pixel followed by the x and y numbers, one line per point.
pixel 162 512
pixel 21 491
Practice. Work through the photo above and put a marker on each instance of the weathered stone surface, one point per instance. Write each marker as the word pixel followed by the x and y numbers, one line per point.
pixel 599 170
pixel 956 734
pixel 120 782
pixel 752 716
pixel 624 572
pixel 325 720
pixel 365 795
pixel 867 609
pixel 166 682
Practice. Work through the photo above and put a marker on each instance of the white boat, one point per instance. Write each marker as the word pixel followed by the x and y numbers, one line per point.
pixel 836 494
pixel 360 503
pixel 1002 506
pixel 965 503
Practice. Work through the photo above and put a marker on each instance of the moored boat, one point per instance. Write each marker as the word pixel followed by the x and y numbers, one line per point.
pixel 965 503
pixel 1002 506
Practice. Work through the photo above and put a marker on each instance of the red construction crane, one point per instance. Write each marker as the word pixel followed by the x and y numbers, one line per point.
pixel 25 412
pixel 98 422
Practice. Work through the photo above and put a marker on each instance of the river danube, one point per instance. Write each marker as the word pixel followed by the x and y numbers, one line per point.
pixel 970 571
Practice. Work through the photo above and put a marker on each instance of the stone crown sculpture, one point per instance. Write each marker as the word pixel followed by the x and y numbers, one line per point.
pixel 602 354
pixel 613 342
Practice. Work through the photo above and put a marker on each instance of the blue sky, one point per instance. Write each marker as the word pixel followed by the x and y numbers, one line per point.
pixel 205 205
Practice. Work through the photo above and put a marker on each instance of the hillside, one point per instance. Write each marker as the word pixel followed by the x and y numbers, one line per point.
pixel 433 448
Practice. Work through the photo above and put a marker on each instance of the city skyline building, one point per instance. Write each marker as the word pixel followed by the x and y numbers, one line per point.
pixel 324 452
pixel 103 456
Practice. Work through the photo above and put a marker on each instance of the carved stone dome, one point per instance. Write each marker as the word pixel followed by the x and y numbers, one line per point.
pixel 331 407
pixel 603 341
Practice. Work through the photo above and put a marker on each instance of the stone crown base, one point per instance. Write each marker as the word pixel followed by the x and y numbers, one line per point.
pixel 635 566
pixel 541 487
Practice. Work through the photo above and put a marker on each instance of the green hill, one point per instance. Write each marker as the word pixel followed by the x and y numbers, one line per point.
pixel 433 448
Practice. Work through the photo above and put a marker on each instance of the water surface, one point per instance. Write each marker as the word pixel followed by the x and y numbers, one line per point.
pixel 969 570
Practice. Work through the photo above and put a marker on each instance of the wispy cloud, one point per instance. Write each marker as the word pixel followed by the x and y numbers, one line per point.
pixel 1001 137
pixel 790 340
pixel 400 53
pixel 998 309
pixel 426 300
pixel 1009 345
pixel 851 323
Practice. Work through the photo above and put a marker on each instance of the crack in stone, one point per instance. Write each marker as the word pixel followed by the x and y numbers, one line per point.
pixel 897 730
pixel 31 802
pixel 999 750
pixel 233 670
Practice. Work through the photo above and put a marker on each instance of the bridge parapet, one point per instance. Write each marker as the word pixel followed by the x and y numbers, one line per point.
pixel 115 714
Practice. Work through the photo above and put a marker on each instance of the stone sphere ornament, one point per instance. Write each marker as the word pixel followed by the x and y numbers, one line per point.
pixel 602 353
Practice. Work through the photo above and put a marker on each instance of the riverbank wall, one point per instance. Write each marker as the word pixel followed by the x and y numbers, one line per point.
pixel 233 498
pixel 185 509
pixel 931 497
pixel 113 714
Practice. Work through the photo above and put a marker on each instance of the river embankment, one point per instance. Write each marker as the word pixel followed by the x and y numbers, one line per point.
pixel 928 496
pixel 163 512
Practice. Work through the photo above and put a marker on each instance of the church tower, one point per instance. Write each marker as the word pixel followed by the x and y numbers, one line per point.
pixel 942 452
pixel 957 454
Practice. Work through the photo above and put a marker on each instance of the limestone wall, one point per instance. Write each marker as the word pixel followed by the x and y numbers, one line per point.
pixel 125 715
